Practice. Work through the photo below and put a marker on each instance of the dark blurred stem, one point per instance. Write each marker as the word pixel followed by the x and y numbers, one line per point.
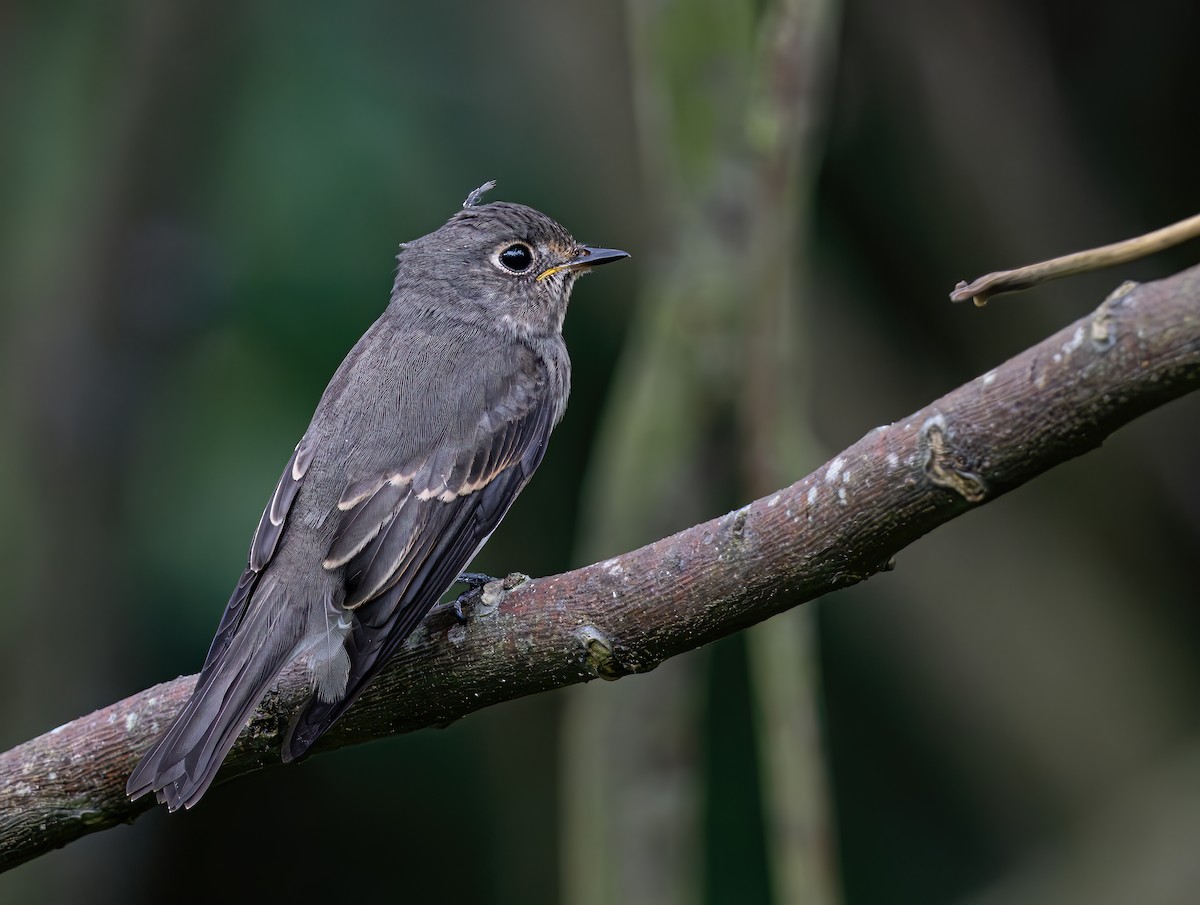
pixel 79 366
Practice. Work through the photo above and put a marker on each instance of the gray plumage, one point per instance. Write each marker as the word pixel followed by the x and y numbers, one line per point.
pixel 425 435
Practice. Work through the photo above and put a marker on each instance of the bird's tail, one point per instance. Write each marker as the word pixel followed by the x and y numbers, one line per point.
pixel 184 762
pixel 370 646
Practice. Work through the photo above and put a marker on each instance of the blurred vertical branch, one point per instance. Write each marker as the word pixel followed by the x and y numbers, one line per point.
pixel 707 408
pixel 798 45
pixel 79 359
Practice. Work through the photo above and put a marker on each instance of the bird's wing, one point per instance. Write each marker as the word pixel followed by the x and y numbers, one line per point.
pixel 262 548
pixel 392 522
pixel 184 761
pixel 404 535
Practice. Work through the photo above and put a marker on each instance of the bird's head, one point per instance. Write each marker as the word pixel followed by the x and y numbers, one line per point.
pixel 508 260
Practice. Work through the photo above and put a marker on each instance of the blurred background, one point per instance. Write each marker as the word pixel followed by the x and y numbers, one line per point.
pixel 200 204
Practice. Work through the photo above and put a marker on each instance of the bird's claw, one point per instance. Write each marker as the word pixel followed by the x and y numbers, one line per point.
pixel 474 582
pixel 478 591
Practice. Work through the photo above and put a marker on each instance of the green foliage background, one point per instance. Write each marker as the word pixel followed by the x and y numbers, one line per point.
pixel 199 208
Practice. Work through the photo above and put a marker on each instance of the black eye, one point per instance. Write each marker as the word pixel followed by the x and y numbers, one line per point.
pixel 517 257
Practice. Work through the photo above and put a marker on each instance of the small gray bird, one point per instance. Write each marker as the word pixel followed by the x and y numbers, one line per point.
pixel 425 435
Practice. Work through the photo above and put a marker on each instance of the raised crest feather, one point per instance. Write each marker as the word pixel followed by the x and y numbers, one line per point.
pixel 476 194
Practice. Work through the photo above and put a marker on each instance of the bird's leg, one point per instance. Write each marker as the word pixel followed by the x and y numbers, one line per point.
pixel 474 582
pixel 474 579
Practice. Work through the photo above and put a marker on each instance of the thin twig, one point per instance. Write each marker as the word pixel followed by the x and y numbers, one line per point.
pixel 983 288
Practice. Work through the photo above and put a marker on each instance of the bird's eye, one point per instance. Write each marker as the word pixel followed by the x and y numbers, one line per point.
pixel 517 258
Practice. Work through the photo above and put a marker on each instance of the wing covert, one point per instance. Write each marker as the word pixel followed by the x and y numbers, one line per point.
pixel 392 523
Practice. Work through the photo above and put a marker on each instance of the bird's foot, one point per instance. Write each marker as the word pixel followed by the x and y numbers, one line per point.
pixel 474 582
pixel 483 590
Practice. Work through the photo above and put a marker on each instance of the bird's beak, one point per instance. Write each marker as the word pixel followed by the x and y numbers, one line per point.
pixel 586 257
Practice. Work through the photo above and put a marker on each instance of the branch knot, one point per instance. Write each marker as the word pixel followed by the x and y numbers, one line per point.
pixel 945 469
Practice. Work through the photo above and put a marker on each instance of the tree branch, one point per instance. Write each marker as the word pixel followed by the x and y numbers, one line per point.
pixel 836 527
